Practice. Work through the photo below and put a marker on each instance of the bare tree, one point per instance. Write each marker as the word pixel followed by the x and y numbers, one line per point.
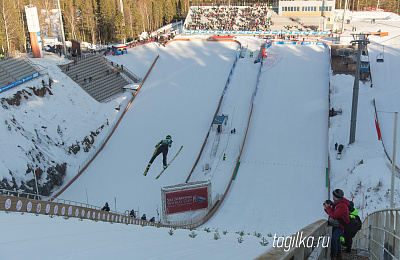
pixel 10 22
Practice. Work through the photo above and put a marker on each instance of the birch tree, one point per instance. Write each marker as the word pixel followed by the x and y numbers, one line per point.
pixel 11 25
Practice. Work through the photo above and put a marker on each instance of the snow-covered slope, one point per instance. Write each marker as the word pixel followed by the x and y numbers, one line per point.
pixel 49 130
pixel 361 172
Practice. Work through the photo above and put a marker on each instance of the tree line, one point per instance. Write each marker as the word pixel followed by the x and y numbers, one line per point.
pixel 95 21
pixel 103 21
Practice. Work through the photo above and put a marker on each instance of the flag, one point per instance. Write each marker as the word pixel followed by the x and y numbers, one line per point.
pixel 378 130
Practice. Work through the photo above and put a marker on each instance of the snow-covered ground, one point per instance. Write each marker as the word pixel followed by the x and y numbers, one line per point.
pixel 280 184
pixel 286 148
pixel 363 171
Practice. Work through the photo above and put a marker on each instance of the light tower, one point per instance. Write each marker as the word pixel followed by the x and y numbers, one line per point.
pixel 362 41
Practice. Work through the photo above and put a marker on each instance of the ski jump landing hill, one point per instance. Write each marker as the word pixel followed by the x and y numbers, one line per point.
pixel 177 99
pixel 287 141
pixel 286 150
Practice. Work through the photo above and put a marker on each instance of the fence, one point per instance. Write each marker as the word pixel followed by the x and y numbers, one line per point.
pixel 125 71
pixel 14 201
pixel 380 235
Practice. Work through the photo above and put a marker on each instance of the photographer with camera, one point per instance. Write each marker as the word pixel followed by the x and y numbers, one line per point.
pixel 338 209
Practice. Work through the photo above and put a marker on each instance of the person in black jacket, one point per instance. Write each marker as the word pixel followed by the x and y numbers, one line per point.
pixel 143 217
pixel 106 207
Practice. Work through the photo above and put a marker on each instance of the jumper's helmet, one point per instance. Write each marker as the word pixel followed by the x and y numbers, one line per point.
pixel 168 137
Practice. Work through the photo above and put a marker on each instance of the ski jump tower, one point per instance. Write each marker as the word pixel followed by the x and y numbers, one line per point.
pixel 34 30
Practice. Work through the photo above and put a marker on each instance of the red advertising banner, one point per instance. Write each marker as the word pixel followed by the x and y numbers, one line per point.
pixel 186 200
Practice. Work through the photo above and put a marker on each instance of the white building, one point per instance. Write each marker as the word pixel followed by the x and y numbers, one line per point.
pixel 297 8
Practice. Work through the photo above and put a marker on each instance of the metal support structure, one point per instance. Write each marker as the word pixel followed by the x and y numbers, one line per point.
pixel 396 114
pixel 362 43
pixel 62 29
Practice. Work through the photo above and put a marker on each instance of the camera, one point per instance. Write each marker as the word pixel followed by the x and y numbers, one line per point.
pixel 329 202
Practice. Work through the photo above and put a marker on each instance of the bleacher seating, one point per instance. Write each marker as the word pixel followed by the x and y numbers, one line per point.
pixel 228 18
pixel 13 69
pixel 96 77
pixel 239 18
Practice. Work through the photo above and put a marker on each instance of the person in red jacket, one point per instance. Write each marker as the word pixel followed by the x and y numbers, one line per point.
pixel 338 209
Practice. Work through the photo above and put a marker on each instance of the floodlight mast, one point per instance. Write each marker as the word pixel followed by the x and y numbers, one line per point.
pixel 362 42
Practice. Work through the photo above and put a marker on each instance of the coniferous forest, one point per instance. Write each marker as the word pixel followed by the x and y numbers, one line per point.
pixel 104 21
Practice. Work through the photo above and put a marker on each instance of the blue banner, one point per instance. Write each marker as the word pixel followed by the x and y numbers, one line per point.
pixel 18 82
pixel 259 32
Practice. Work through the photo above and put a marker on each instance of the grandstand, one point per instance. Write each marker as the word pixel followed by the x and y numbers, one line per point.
pixel 232 18
pixel 255 18
pixel 97 77
pixel 13 70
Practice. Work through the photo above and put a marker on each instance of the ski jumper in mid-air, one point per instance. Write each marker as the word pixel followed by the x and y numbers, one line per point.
pixel 161 147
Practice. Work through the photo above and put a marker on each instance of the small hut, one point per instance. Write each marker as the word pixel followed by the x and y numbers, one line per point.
pixel 218 123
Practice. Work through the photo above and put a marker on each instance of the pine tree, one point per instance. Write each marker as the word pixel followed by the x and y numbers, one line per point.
pixel 120 27
pixel 137 18
pixel 87 19
pixel 130 14
pixel 107 13
pixel 169 11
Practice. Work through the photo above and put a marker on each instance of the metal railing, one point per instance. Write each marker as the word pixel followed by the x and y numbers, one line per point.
pixel 125 71
pixel 380 235
pixel 317 247
pixel 15 201
pixel 27 195
pixel 42 70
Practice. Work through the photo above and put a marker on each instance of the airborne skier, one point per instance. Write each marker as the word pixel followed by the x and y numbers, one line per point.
pixel 161 147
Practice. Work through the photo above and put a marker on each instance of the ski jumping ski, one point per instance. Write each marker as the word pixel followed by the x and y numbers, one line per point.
pixel 158 176
pixel 148 166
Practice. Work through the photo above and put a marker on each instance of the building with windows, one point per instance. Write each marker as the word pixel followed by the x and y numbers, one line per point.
pixel 297 8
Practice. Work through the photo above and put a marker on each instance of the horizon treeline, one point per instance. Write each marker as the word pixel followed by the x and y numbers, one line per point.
pixel 104 21
pixel 95 21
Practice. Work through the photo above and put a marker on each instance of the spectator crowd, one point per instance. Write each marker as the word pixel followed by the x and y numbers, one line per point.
pixel 229 18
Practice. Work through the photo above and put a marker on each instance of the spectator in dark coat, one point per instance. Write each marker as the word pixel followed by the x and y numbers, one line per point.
pixel 106 207
pixel 143 217
pixel 132 214
pixel 337 210
pixel 152 220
